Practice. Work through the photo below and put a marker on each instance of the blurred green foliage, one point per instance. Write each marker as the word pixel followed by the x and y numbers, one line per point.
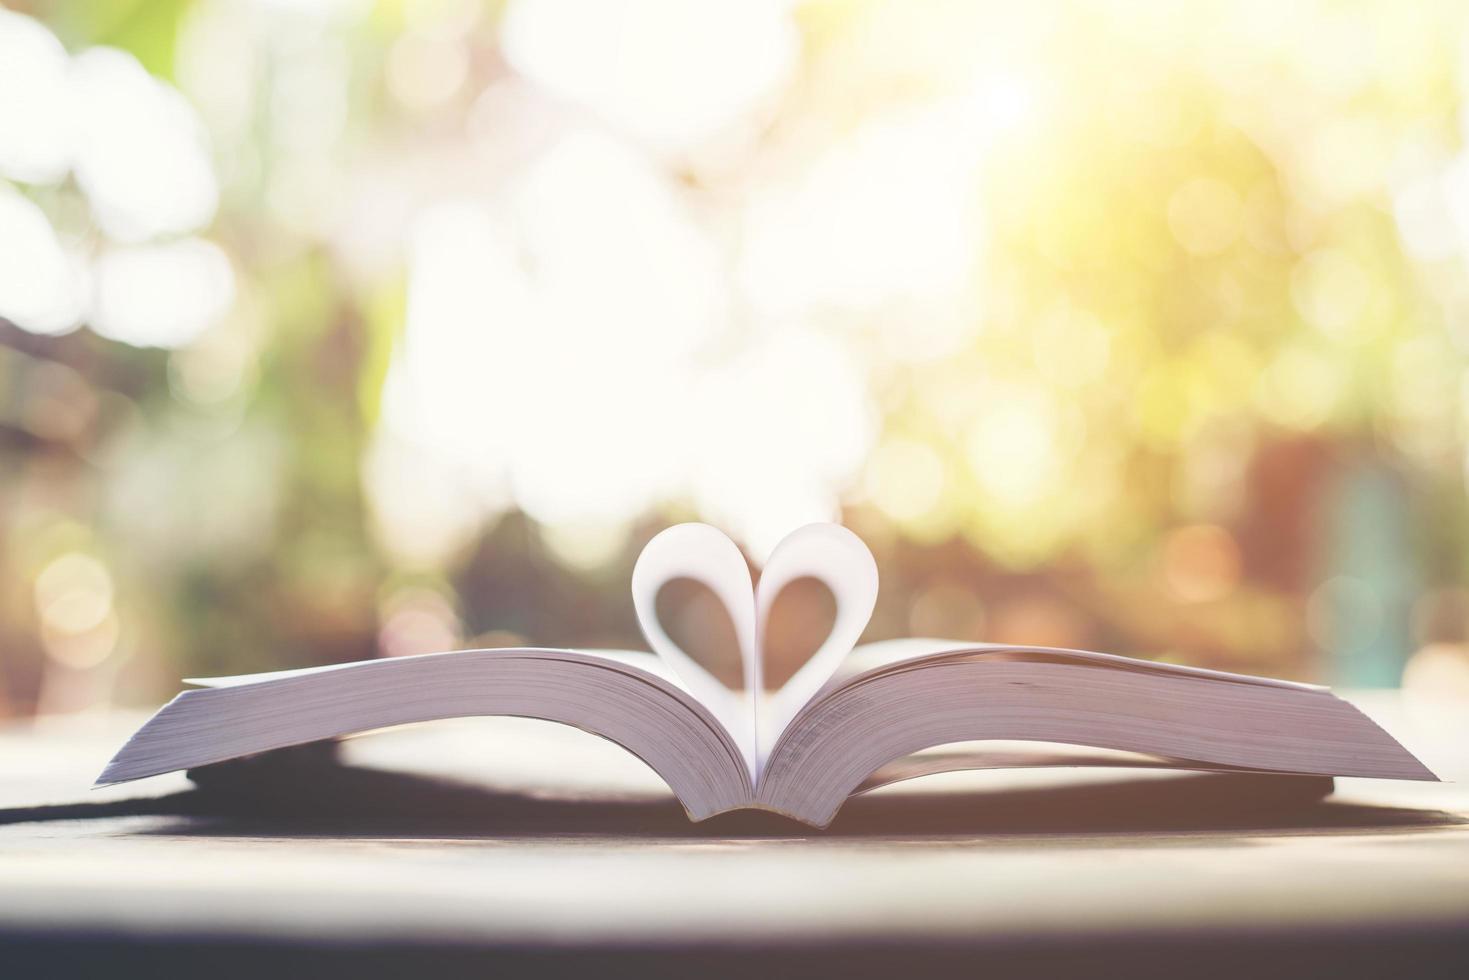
pixel 1158 314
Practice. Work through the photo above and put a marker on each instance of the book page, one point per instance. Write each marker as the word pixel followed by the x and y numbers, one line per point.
pixel 889 654
pixel 639 660
pixel 755 717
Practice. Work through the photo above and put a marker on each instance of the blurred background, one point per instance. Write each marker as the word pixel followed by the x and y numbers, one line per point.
pixel 332 329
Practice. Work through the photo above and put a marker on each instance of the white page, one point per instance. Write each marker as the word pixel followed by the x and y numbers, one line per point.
pixel 827 552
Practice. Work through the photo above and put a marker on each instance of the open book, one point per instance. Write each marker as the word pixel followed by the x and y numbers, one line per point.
pixel 846 720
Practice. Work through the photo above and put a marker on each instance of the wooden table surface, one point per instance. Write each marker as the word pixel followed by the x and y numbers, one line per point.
pixel 443 847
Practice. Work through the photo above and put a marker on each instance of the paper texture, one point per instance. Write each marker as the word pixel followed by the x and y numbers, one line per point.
pixel 827 552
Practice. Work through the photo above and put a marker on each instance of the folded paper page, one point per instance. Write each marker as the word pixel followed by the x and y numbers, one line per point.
pixel 827 552
pixel 702 553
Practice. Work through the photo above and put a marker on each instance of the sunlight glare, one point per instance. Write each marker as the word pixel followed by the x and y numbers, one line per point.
pixel 162 295
pixel 42 288
pixel 679 73
pixel 35 117
pixel 142 158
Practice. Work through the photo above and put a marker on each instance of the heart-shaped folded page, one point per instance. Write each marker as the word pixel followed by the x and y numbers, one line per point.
pixel 826 552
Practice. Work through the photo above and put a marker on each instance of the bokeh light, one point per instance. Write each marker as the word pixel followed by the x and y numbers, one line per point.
pixel 332 330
